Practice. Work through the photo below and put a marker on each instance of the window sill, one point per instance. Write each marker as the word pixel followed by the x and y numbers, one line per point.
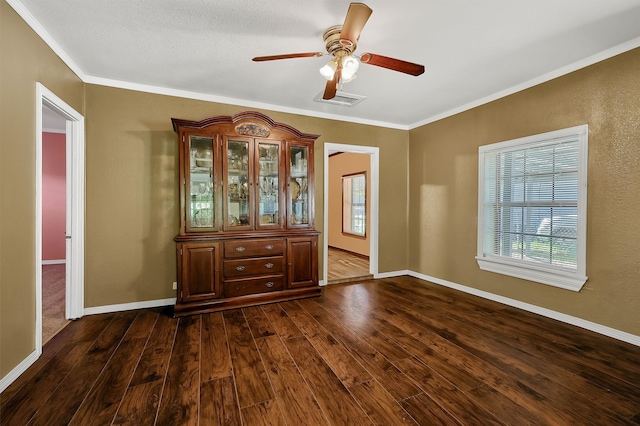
pixel 536 273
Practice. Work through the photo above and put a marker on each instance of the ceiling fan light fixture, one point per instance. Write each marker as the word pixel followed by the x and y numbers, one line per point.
pixel 329 69
pixel 350 66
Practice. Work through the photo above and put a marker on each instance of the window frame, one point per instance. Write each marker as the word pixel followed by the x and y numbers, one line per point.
pixel 352 176
pixel 557 276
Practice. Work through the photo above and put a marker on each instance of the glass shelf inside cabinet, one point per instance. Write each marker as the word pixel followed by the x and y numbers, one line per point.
pixel 238 195
pixel 298 186
pixel 269 194
pixel 201 192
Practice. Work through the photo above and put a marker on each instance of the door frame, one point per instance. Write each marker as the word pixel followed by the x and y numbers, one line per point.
pixel 75 206
pixel 374 155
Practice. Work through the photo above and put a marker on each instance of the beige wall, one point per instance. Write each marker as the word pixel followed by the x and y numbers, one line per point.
pixel 340 165
pixel 444 181
pixel 24 60
pixel 132 199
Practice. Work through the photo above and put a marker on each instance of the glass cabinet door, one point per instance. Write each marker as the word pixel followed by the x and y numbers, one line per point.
pixel 200 184
pixel 298 186
pixel 238 194
pixel 268 185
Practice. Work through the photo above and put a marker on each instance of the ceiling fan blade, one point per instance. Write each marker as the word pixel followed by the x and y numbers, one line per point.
pixel 392 64
pixel 288 56
pixel 331 88
pixel 357 15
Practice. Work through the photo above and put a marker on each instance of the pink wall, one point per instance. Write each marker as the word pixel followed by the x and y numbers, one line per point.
pixel 53 196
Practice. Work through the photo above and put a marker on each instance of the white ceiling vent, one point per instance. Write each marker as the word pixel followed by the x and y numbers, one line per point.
pixel 341 98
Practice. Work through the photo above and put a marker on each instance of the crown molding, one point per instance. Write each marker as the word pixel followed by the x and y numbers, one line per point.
pixel 583 63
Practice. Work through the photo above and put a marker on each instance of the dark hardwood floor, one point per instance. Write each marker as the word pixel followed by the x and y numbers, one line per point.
pixel 391 351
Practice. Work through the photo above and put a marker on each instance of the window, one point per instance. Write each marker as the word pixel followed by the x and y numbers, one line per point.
pixel 532 205
pixel 354 199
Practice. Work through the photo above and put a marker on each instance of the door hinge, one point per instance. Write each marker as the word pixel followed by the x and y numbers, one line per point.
pixel 183 139
pixel 180 251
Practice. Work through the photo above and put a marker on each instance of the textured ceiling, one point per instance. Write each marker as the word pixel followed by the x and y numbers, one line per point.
pixel 473 50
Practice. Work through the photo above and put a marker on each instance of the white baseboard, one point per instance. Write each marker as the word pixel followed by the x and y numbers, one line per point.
pixel 392 274
pixel 129 306
pixel 18 370
pixel 54 262
pixel 579 322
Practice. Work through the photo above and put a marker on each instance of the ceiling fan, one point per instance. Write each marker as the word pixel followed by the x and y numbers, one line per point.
pixel 341 41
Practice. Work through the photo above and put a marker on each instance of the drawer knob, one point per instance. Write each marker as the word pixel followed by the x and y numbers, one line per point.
pixel 270 284
pixel 240 249
pixel 269 265
pixel 240 268
pixel 269 247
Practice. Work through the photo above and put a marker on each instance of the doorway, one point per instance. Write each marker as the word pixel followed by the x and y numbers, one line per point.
pixel 54 219
pixel 52 113
pixel 373 154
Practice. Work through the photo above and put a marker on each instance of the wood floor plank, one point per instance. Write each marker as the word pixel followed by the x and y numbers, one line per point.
pixel 336 402
pixel 344 266
pixel 259 324
pixel 357 317
pixel 251 378
pixel 155 358
pixel 180 397
pixel 547 379
pixel 470 360
pixel 188 335
pixel 505 409
pixel 383 370
pixel 280 321
pixel 218 403
pixel 35 393
pixel 465 410
pixel 527 338
pixel 63 403
pixel 442 352
pixel 264 414
pixel 427 412
pixel 74 332
pixel 142 398
pixel 101 403
pixel 343 364
pixel 529 330
pixel 379 405
pixel 140 404
pixel 294 396
pixel 421 343
pixel 215 362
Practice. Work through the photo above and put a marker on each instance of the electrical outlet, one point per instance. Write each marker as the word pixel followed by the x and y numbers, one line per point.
pixel 175 285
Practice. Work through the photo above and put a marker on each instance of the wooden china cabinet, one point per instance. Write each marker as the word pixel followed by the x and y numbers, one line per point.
pixel 246 213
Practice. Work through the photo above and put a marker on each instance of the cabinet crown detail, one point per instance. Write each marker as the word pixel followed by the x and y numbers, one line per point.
pixel 252 129
pixel 247 231
pixel 251 116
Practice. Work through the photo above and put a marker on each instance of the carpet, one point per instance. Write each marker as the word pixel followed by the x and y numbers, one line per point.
pixel 53 301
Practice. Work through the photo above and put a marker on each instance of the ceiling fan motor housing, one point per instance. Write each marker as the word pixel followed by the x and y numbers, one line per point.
pixel 337 46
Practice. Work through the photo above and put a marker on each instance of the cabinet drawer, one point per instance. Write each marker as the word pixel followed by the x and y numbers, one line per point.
pixel 254 248
pixel 253 286
pixel 257 266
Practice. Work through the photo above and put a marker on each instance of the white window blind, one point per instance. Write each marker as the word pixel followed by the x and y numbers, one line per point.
pixel 532 207
pixel 354 190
